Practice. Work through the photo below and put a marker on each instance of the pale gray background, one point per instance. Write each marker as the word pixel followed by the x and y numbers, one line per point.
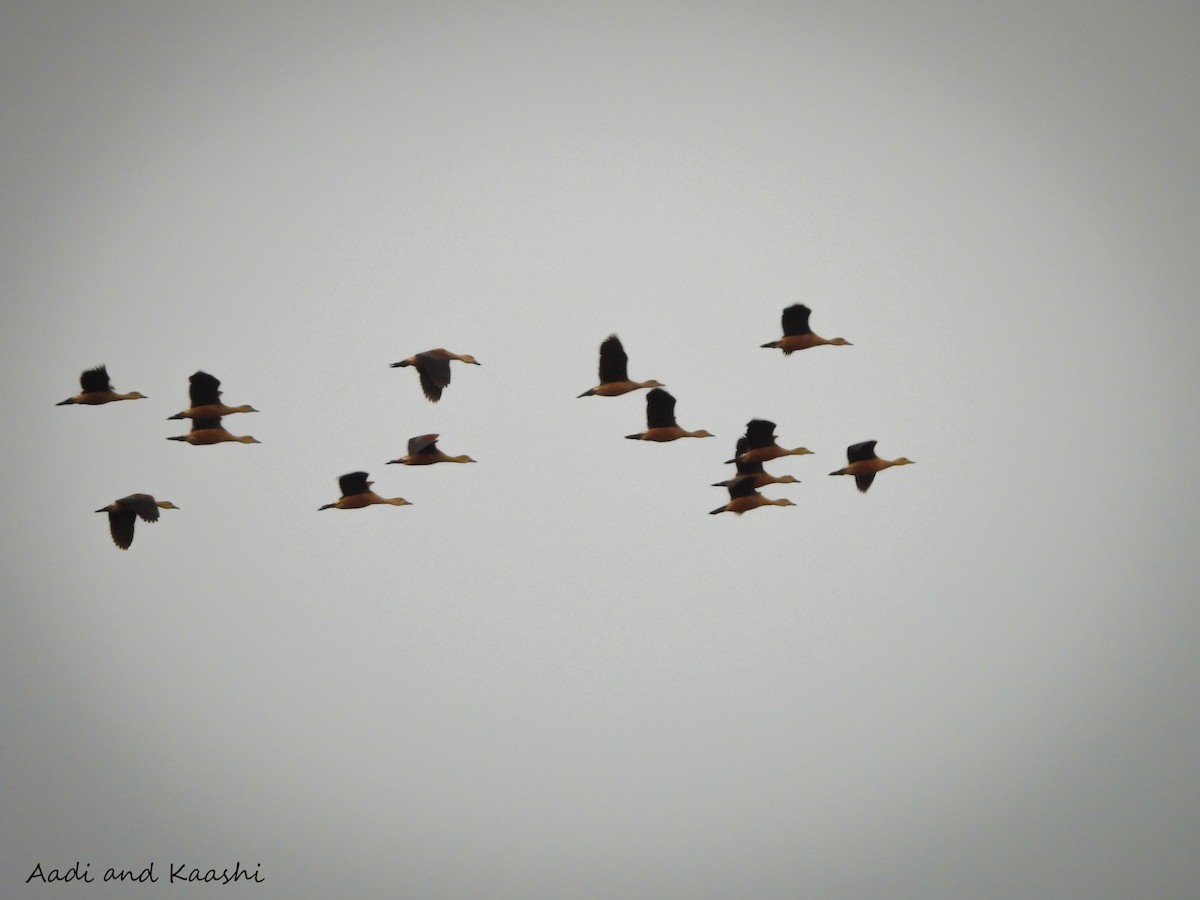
pixel 555 676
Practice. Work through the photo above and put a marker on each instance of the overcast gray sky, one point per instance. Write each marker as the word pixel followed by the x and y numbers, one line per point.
pixel 554 675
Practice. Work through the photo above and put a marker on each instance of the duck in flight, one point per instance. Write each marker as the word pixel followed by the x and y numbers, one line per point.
pixel 433 368
pixel 614 375
pixel 798 336
pixel 660 420
pixel 865 465
pixel 761 446
pixel 96 388
pixel 754 470
pixel 423 451
pixel 743 497
pixel 204 398
pixel 211 431
pixel 357 493
pixel 124 513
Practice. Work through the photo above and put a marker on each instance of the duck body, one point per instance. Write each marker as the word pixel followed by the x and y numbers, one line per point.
pixel 212 411
pixel 617 388
pixel 760 480
pixel 743 497
pixel 668 434
pixel 790 345
pixel 210 431
pixel 766 454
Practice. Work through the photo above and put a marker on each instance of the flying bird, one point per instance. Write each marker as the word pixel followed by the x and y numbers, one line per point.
pixel 95 388
pixel 761 446
pixel 210 431
pixel 754 471
pixel 614 375
pixel 357 493
pixel 433 367
pixel 123 513
pixel 660 420
pixel 798 336
pixel 204 396
pixel 743 498
pixel 864 464
pixel 423 451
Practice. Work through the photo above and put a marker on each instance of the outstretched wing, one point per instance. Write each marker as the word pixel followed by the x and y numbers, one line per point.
pixel 120 526
pixel 795 320
pixel 759 433
pixel 613 361
pixel 354 483
pixel 660 409
pixel 425 443
pixel 204 389
pixel 94 380
pixel 861 453
pixel 435 375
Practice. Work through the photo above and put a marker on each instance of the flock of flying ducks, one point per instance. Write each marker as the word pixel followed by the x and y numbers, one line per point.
pixel 757 446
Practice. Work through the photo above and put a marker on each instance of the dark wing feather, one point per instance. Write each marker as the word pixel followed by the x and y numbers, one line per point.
pixel 613 361
pixel 94 380
pixel 354 483
pixel 795 320
pixel 742 486
pixel 435 375
pixel 759 433
pixel 204 389
pixel 864 481
pixel 431 389
pixel 120 526
pixel 660 409
pixel 206 424
pixel 425 443
pixel 861 453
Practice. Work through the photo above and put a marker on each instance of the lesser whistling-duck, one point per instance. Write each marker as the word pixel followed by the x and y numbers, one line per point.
pixel 433 367
pixel 743 497
pixel 614 375
pixel 204 395
pixel 423 451
pixel 864 464
pixel 754 471
pixel 660 420
pixel 123 513
pixel 95 388
pixel 798 336
pixel 357 493
pixel 761 446
pixel 210 431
